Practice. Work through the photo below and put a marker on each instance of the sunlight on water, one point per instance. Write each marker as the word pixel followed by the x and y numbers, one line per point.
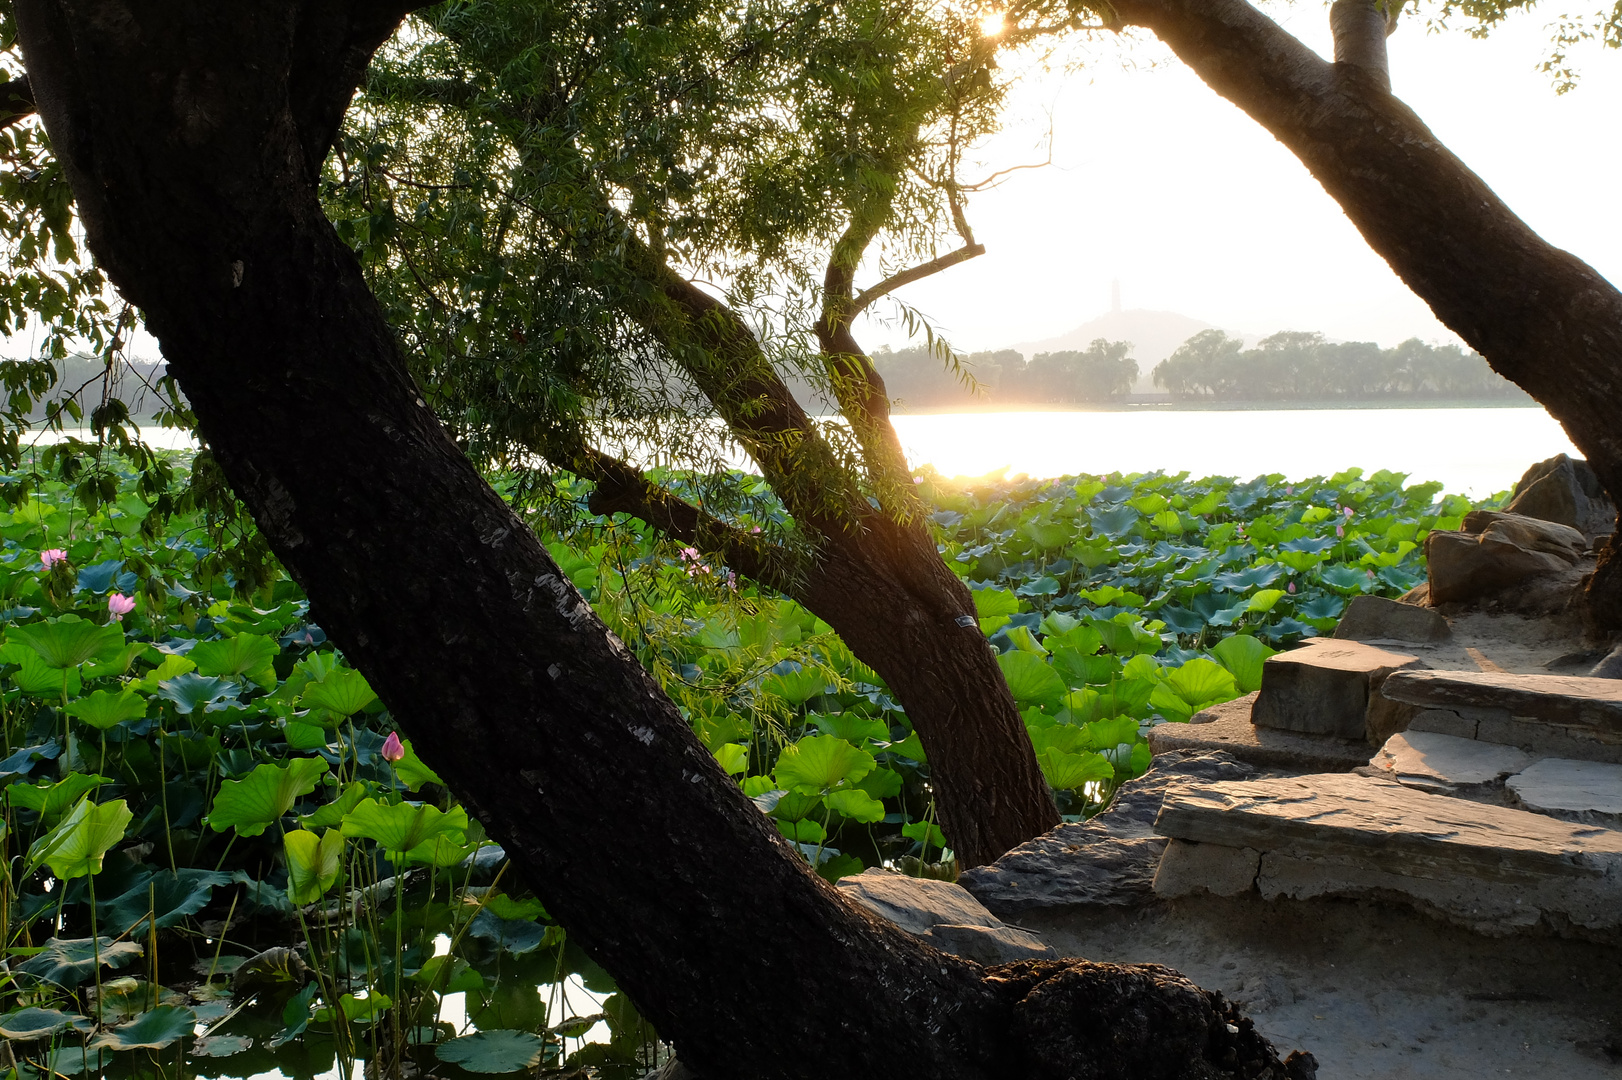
pixel 1474 452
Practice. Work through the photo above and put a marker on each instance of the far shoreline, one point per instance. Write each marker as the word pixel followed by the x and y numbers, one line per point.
pixel 1169 405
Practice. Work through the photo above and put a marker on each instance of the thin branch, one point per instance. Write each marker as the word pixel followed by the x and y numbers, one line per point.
pixel 912 274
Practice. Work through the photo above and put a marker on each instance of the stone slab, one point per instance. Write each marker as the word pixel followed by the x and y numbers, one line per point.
pixel 1375 618
pixel 946 915
pixel 1447 764
pixel 1227 728
pixel 1187 869
pixel 1494 868
pixel 1108 861
pixel 1585 791
pixel 1557 699
pixel 1324 688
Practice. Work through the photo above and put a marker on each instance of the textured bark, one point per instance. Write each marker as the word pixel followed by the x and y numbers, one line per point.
pixel 1542 317
pixel 1360 28
pixel 185 129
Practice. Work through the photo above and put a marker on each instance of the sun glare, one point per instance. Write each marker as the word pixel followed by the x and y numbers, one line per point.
pixel 992 24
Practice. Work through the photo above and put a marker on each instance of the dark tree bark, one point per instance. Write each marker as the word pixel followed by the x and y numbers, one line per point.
pixel 1542 317
pixel 192 133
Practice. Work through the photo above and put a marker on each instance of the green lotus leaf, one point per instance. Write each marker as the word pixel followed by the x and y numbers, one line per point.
pixel 1265 599
pixel 411 771
pixel 51 800
pixel 1115 523
pixel 796 686
pixel 926 833
pixel 1109 733
pixel 219 1046
pixel 153 1030
pixel 733 758
pixel 821 763
pixel 77 845
pixel 191 692
pixel 252 804
pixel 403 827
pixel 1243 655
pixel 517 936
pixel 803 831
pixel 69 641
pixel 853 727
pixel 855 804
pixel 331 815
pixel 302 736
pixel 36 1023
pixel 170 896
pixel 911 748
pixel 234 657
pixel 498 1051
pixel 1202 682
pixel 1030 680
pixel 313 863
pixel 107 708
pixel 343 691
pixel 67 962
pixel 881 783
pixel 989 603
pixel 35 675
pixel 1069 771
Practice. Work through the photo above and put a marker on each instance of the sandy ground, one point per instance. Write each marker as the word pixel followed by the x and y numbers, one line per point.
pixel 1375 991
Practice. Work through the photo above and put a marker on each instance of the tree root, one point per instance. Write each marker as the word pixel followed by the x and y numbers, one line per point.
pixel 1077 1020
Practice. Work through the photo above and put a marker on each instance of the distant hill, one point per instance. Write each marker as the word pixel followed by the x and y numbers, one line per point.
pixel 1154 335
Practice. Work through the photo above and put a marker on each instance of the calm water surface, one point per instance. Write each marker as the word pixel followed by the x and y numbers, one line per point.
pixel 1472 451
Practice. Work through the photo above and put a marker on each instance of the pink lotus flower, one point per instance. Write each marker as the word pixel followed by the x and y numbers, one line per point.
pixel 119 605
pixel 1348 510
pixel 393 750
pixel 1292 586
pixel 1340 530
pixel 51 556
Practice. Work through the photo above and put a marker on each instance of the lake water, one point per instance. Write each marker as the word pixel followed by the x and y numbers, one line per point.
pixel 1474 452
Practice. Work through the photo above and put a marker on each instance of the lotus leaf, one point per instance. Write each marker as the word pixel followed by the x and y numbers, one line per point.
pixel 108 708
pixel 733 758
pixel 191 691
pixel 498 1051
pixel 402 827
pixel 50 800
pixel 219 1046
pixel 821 763
pixel 1265 600
pixel 233 657
pixel 251 805
pixel 313 863
pixel 1031 681
pixel 331 815
pixel 25 1025
pixel 881 783
pixel 926 833
pixel 77 845
pixel 794 683
pixel 1243 655
pixel 67 962
pixel 69 641
pixel 856 804
pixel 852 727
pixel 411 771
pixel 342 691
pixel 172 896
pixel 1069 771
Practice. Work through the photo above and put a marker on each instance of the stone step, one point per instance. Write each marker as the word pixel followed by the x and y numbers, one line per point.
pixel 1549 715
pixel 1495 869
pixel 1325 687
pixel 1449 765
pixel 1227 728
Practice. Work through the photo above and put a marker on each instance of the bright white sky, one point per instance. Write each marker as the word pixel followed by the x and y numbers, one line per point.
pixel 1159 182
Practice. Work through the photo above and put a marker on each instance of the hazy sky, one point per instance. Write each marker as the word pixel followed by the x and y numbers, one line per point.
pixel 1159 182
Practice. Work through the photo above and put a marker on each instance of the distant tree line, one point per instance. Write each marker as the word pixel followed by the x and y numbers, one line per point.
pixel 1288 366
pixel 1294 366
pixel 87 381
pixel 919 377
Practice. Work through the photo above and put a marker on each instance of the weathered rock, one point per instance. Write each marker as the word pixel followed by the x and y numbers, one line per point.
pixel 1228 728
pixel 1187 868
pixel 1566 700
pixel 1374 618
pixel 1493 868
pixel 1586 791
pixel 1565 490
pixel 943 914
pixel 1536 737
pixel 1533 534
pixel 1324 688
pixel 1447 764
pixel 1609 667
pixel 1464 567
pixel 1107 861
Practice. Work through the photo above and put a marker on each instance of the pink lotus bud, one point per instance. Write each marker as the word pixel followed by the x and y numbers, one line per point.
pixel 51 556
pixel 1348 510
pixel 1340 530
pixel 119 605
pixel 393 750
pixel 1292 586
pixel 1289 491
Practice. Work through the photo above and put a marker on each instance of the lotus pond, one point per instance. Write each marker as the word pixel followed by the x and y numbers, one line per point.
pixel 222 859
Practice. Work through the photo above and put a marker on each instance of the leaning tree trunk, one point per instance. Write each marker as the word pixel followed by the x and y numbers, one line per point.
pixel 192 133
pixel 1542 317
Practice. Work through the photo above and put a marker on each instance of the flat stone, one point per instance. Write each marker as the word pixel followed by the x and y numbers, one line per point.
pixel 946 915
pixel 1463 567
pixel 1375 618
pixel 1530 533
pixel 1187 869
pixel 1566 490
pixel 1447 764
pixel 1587 791
pixel 1324 688
pixel 1228 728
pixel 1567 700
pixel 1493 868
pixel 1108 861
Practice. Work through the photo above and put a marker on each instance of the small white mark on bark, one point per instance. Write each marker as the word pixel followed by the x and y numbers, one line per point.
pixel 236 274
pixel 421 404
pixel 643 735
pixel 554 670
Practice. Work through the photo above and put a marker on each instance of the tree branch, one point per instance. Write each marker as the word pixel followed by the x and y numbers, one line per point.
pixel 16 101
pixel 912 274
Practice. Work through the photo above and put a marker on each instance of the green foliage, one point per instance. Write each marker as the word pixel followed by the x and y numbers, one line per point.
pixel 253 804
